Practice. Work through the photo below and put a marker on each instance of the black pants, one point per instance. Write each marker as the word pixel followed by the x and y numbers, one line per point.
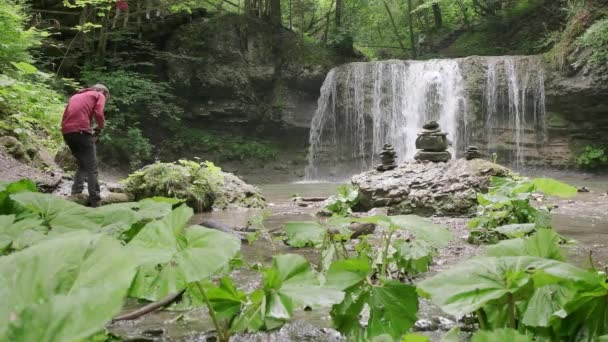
pixel 82 146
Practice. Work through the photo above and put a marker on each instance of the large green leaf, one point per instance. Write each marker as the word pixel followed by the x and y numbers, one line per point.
pixel 63 289
pixel 553 187
pixel 304 233
pixel 393 309
pixel 56 212
pixel 470 285
pixel 7 189
pixel 343 274
pixel 586 316
pixel 436 235
pixel 500 335
pixel 225 298
pixel 516 230
pixel 253 314
pixel 413 256
pixel 17 235
pixel 544 244
pixel 173 256
pixel 290 283
pixel 393 305
pixel 545 302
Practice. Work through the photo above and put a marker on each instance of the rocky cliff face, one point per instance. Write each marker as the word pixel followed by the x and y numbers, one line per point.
pixel 571 113
pixel 240 71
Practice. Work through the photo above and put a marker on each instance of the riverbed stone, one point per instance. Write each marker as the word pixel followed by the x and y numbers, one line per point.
pixel 433 156
pixel 293 331
pixel 431 125
pixel 443 189
pixel 235 193
pixel 432 142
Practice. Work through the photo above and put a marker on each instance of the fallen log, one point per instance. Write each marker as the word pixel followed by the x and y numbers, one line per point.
pixel 217 225
pixel 150 307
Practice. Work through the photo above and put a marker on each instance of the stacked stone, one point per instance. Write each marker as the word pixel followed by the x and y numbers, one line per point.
pixel 472 152
pixel 432 144
pixel 388 157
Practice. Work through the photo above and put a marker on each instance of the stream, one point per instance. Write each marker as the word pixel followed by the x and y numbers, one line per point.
pixel 584 219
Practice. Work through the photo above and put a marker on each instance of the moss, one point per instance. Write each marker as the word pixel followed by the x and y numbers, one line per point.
pixel 202 186
pixel 192 182
pixel 556 120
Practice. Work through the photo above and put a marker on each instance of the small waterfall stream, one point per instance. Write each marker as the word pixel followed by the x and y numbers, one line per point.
pixel 365 105
pixel 514 107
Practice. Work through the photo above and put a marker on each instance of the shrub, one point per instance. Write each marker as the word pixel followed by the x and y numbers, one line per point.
pixel 29 108
pixel 596 38
pixel 137 101
pixel 592 157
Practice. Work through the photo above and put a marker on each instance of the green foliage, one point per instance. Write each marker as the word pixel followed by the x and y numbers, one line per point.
pixel 195 183
pixel 596 38
pixel 59 289
pixel 387 315
pixel 342 204
pixel 592 157
pixel 137 102
pixel 216 146
pixel 306 233
pixel 29 108
pixel 545 243
pixel 506 212
pixel 173 255
pixel 7 189
pixel 545 298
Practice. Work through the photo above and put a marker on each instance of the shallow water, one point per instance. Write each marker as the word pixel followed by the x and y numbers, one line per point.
pixel 584 218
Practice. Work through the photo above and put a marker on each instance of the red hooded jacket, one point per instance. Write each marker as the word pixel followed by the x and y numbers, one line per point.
pixel 81 109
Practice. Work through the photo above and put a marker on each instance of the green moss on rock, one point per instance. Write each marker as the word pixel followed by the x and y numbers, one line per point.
pixel 202 186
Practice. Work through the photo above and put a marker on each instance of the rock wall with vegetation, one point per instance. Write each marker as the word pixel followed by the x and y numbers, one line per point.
pixel 238 70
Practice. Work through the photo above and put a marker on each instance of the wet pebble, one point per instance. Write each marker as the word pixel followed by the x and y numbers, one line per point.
pixel 445 324
pixel 425 325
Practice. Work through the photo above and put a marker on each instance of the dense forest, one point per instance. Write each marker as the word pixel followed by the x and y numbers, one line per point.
pixel 303 170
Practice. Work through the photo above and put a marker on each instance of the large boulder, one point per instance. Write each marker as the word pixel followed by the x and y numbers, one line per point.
pixel 424 188
pixel 235 193
pixel 203 186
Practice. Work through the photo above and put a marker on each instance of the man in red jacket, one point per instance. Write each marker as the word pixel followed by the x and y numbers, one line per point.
pixel 82 108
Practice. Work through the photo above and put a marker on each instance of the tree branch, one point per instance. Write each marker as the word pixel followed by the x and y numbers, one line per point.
pixel 150 307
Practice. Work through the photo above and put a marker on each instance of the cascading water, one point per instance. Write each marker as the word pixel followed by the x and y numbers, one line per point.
pixel 365 105
pixel 514 108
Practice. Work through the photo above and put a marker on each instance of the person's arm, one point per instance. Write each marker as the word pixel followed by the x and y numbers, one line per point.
pixel 98 111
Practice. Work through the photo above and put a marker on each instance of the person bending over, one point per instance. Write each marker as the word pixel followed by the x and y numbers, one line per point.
pixel 86 105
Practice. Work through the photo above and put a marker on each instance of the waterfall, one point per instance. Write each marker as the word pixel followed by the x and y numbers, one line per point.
pixel 365 105
pixel 519 115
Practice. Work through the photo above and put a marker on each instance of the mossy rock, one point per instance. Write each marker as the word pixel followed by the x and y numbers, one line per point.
pixel 65 159
pixel 15 148
pixel 202 185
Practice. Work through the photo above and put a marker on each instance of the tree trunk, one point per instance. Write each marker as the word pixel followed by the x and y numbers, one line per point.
pixel 437 15
pixel 331 5
pixel 465 16
pixel 411 24
pixel 395 28
pixel 338 13
pixel 274 12
pixel 290 22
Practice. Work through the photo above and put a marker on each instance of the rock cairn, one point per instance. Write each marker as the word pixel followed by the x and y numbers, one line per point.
pixel 432 144
pixel 388 157
pixel 472 152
